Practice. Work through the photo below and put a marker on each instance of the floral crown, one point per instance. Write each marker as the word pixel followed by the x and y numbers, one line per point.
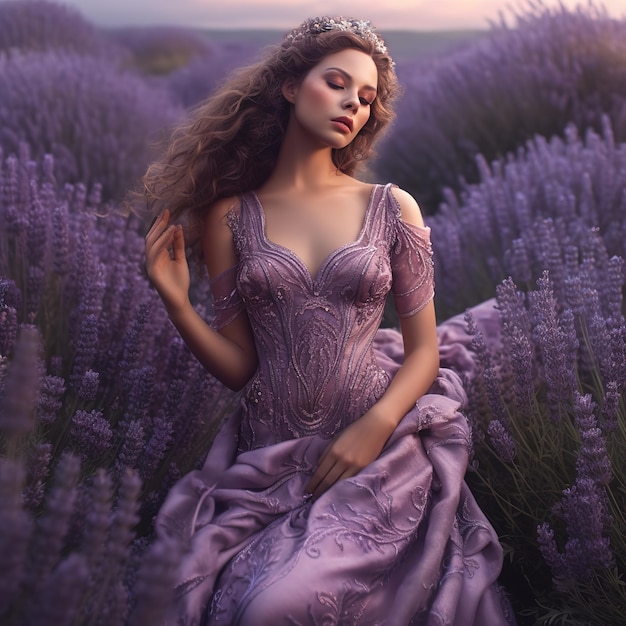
pixel 316 25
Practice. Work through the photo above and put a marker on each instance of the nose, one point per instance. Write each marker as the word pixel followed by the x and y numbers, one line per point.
pixel 351 102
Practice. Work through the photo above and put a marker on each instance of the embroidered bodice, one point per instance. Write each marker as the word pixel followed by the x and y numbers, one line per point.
pixel 317 370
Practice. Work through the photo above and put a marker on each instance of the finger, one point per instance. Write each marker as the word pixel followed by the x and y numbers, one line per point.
pixel 179 244
pixel 324 465
pixel 334 474
pixel 158 225
pixel 160 245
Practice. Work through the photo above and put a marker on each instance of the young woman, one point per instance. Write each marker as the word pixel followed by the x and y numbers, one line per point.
pixel 336 494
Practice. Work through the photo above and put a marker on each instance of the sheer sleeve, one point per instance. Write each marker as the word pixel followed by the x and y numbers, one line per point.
pixel 412 268
pixel 227 303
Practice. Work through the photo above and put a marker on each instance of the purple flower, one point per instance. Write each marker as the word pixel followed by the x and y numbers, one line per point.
pixel 140 385
pixel 60 239
pixel 60 598
pixel 50 400
pixel 86 346
pixel 612 289
pixel 593 461
pixel 38 470
pixel 153 589
pixel 587 548
pixel 15 532
pixel 518 261
pixel 132 447
pixel 52 525
pixel 91 434
pixel 98 519
pixel 121 532
pixel 157 445
pixel 501 440
pixel 558 367
pixel 89 384
pixel 8 329
pixel 22 383
pixel 611 407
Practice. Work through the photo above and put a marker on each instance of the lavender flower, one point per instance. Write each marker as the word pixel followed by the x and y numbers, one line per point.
pixel 559 370
pixel 121 531
pixel 52 526
pixel 50 400
pixel 584 511
pixel 60 598
pixel 593 461
pixel 8 329
pixel 60 244
pixel 91 434
pixel 153 589
pixel 39 468
pixel 22 383
pixel 501 440
pixel 157 444
pixel 88 389
pixel 132 447
pixel 611 407
pixel 15 531
pixel 86 345
pixel 98 518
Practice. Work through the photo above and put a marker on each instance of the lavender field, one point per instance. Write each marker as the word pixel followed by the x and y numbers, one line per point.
pixel 514 143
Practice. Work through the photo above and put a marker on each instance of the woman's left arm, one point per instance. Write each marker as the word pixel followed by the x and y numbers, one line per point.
pixel 362 442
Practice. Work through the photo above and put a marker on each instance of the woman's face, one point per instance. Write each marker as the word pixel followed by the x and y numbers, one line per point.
pixel 332 103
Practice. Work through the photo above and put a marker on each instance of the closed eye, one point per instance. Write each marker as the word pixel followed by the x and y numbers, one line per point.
pixel 334 85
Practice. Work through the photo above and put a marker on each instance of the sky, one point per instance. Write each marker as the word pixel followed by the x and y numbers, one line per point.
pixel 285 14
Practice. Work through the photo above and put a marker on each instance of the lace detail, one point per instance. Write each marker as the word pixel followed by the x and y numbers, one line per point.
pixel 312 331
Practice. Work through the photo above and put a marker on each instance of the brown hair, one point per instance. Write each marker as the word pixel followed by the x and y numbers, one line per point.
pixel 230 143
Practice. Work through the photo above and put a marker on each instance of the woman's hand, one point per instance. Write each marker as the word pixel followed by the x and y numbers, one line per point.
pixel 350 451
pixel 166 262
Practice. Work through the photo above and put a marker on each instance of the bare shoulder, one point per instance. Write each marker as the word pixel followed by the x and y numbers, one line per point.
pixel 216 236
pixel 409 208
pixel 217 214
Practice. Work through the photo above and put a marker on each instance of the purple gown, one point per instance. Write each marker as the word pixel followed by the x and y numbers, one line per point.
pixel 403 542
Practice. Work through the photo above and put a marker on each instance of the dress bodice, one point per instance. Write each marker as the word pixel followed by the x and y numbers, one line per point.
pixel 317 369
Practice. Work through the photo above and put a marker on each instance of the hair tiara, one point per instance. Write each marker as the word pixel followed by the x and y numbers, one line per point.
pixel 316 25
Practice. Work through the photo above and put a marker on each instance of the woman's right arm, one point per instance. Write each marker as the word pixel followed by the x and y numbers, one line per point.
pixel 229 354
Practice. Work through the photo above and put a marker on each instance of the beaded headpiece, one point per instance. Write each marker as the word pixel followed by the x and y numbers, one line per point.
pixel 317 25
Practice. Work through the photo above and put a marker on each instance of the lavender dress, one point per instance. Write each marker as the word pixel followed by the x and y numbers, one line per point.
pixel 403 542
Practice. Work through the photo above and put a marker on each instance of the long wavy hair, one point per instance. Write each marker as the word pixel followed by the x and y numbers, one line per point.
pixel 230 143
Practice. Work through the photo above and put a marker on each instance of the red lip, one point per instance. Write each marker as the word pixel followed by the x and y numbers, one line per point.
pixel 344 120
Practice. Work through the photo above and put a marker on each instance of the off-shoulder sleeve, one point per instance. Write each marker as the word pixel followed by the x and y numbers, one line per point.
pixel 227 303
pixel 412 268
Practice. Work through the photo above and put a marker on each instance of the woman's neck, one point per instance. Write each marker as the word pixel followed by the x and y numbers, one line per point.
pixel 303 164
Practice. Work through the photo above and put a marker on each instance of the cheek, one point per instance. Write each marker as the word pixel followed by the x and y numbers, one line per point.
pixel 318 95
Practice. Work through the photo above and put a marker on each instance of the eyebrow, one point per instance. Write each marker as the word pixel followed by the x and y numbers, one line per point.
pixel 348 77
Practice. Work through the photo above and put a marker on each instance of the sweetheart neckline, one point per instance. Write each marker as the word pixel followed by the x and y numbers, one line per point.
pixel 314 278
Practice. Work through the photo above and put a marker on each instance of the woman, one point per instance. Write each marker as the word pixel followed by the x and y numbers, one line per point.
pixel 336 494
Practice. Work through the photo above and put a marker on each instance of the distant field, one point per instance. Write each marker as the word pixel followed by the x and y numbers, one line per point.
pixel 402 44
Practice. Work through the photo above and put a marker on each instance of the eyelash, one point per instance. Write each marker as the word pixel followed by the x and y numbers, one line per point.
pixel 332 85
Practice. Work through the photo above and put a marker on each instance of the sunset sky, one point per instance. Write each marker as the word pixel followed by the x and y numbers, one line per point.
pixel 232 14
